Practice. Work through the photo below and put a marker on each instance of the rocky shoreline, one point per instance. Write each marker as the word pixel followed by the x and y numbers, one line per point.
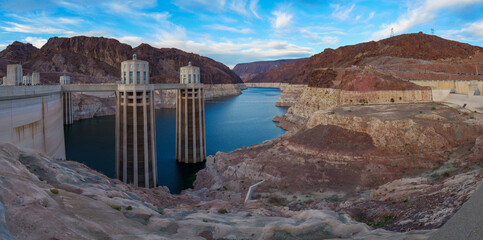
pixel 397 167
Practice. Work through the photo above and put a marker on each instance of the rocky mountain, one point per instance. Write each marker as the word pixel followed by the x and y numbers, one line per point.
pixel 16 52
pixel 98 59
pixel 247 71
pixel 406 47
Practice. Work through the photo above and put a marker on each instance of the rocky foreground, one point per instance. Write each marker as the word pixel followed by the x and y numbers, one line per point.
pixel 392 166
pixel 41 198
pixel 355 172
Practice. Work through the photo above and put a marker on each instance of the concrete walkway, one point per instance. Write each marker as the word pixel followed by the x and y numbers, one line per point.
pixel 465 224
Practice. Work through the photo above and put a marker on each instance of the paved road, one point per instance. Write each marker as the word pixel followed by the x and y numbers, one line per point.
pixel 467 223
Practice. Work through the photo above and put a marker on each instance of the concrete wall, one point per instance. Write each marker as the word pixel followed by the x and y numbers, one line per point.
pixel 315 99
pixel 31 117
pixel 461 86
pixel 440 94
pixel 386 96
pixel 281 86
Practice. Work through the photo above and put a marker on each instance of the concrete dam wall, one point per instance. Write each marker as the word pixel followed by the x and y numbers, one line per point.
pixel 31 117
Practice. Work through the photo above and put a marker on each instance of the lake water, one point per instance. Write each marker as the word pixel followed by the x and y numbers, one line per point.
pixel 230 124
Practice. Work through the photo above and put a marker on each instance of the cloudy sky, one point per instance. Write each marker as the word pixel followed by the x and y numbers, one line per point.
pixel 235 31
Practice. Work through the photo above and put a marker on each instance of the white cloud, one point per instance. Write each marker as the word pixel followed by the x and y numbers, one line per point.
pixel 282 19
pixel 36 41
pixel 230 29
pixel 425 12
pixel 317 39
pixel 134 41
pixel 342 12
pixel 371 15
pixel 22 28
pixel 241 7
pixel 472 32
pixel 229 51
pixel 253 8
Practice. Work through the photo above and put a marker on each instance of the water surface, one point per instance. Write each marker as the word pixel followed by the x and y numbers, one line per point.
pixel 231 123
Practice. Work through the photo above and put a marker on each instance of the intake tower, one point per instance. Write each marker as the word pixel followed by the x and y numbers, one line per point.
pixel 135 126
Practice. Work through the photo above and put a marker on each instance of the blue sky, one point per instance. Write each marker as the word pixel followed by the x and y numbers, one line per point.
pixel 236 31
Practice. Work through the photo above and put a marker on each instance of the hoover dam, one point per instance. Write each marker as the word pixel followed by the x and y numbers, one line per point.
pixel 253 120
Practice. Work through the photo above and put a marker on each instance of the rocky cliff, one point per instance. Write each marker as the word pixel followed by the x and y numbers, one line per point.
pixel 41 198
pixel 398 167
pixel 98 59
pixel 406 48
pixel 247 71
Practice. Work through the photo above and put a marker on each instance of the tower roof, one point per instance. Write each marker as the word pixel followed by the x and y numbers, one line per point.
pixel 190 66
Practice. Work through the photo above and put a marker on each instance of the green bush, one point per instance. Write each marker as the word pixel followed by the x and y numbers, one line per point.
pixel 392 99
pixel 129 208
pixel 222 211
pixel 116 207
pixel 54 191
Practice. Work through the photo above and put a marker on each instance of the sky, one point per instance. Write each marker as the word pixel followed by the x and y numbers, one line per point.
pixel 238 31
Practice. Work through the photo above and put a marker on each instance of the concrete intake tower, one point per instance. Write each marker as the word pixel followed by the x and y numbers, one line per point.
pixel 190 117
pixel 135 126
pixel 67 101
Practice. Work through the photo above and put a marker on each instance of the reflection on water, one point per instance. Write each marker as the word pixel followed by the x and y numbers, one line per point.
pixel 231 123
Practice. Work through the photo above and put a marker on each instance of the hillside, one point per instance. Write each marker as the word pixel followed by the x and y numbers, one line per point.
pixel 407 48
pixel 98 59
pixel 247 71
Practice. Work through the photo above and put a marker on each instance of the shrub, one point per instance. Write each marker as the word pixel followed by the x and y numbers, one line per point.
pixel 222 211
pixel 433 108
pixel 392 99
pixel 160 212
pixel 54 191
pixel 116 207
pixel 204 220
pixel 129 208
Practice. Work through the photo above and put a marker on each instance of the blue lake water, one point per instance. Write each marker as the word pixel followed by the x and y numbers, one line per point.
pixel 231 123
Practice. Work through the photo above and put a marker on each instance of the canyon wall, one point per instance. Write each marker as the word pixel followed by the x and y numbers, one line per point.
pixel 89 105
pixel 31 117
pixel 222 90
pixel 315 99
pixel 290 92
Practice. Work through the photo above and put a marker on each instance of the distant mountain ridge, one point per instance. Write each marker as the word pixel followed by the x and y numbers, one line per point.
pixel 98 59
pixel 247 71
pixel 407 46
